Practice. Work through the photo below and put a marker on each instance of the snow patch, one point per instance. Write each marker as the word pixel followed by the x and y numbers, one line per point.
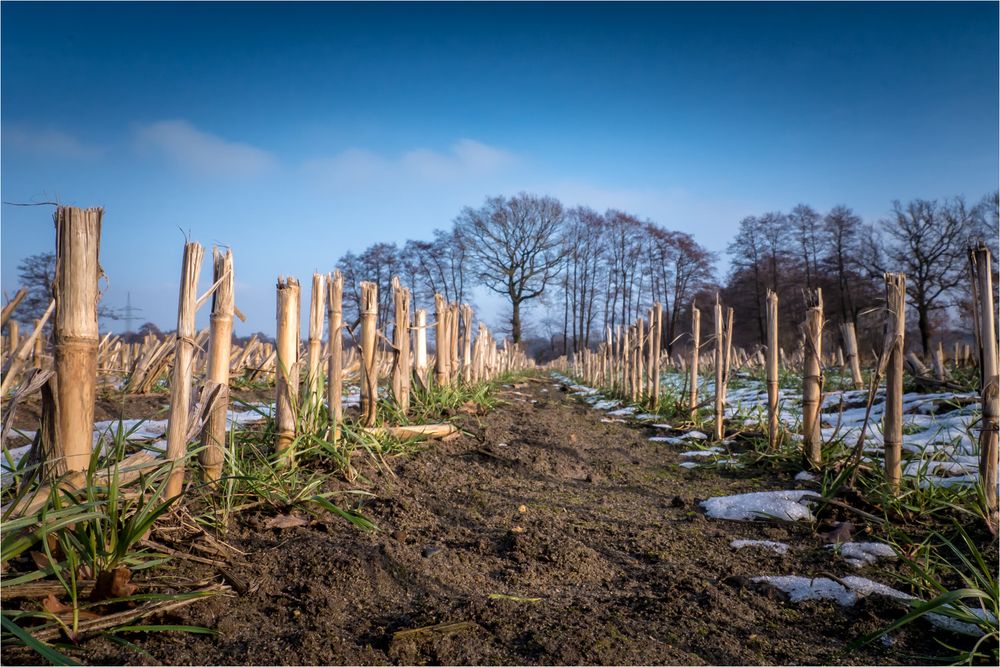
pixel 782 505
pixel 859 554
pixel 779 548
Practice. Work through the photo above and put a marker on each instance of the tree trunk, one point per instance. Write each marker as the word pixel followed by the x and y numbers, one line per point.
pixel 515 321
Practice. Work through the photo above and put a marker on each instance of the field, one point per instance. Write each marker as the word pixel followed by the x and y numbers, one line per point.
pixel 351 498
pixel 560 527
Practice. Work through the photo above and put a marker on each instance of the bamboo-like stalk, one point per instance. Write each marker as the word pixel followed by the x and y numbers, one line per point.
pixel 20 356
pixel 180 383
pixel 657 351
pixel 990 382
pixel 335 389
pixel 640 347
pixel 13 337
pixel 369 370
pixel 626 364
pixel 454 365
pixel 466 343
pixel 420 350
pixel 848 333
pixel 939 369
pixel 720 399
pixel 892 424
pixel 401 341
pixel 317 313
pixel 609 349
pixel 39 347
pixel 75 335
pixel 286 366
pixel 8 309
pixel 695 353
pixel 772 369
pixel 213 435
pixel 812 381
pixel 727 359
pixel 441 345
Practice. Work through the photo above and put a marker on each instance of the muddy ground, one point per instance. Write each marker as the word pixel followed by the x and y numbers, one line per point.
pixel 543 537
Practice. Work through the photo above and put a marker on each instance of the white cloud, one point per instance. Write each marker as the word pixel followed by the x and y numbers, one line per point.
pixel 357 167
pixel 47 142
pixel 204 153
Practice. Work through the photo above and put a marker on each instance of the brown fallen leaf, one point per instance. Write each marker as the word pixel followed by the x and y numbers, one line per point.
pixel 65 611
pixel 54 606
pixel 40 559
pixel 114 584
pixel 285 521
pixel 841 533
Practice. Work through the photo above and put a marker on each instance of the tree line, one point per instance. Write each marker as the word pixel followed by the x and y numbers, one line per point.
pixel 928 240
pixel 587 272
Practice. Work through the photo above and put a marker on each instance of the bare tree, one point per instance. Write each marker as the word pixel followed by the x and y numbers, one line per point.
pixel 582 275
pixel 928 242
pixel 805 222
pixel 515 244
pixel 37 273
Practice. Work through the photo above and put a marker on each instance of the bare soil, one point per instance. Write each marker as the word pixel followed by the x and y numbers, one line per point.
pixel 544 536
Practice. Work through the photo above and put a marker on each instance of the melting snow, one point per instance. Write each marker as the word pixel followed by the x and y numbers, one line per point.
pixel 711 451
pixel 778 547
pixel 859 554
pixel 853 588
pixel 782 505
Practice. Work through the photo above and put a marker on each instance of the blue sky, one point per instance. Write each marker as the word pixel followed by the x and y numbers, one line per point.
pixel 335 126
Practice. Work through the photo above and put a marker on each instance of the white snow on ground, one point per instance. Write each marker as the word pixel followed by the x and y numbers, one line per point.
pixel 688 464
pixel 605 420
pixel 711 451
pixel 782 505
pixel 850 589
pixel 859 554
pixel 151 431
pixel 622 412
pixel 664 426
pixel 778 547
pixel 940 439
pixel 670 440
pixel 805 476
pixel 799 589
pixel 647 416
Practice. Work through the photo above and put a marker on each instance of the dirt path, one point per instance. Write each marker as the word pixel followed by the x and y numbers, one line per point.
pixel 611 561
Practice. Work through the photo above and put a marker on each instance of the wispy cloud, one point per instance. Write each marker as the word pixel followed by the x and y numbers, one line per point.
pixel 47 142
pixel 466 159
pixel 202 152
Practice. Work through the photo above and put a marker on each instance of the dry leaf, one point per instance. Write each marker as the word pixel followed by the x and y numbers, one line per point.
pixel 40 559
pixel 54 606
pixel 285 521
pixel 114 584
pixel 65 611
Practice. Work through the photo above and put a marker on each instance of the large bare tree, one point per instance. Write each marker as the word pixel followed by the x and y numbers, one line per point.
pixel 928 242
pixel 515 245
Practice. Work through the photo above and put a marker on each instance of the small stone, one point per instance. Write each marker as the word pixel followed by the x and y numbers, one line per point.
pixel 522 509
pixel 431 551
pixel 517 529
